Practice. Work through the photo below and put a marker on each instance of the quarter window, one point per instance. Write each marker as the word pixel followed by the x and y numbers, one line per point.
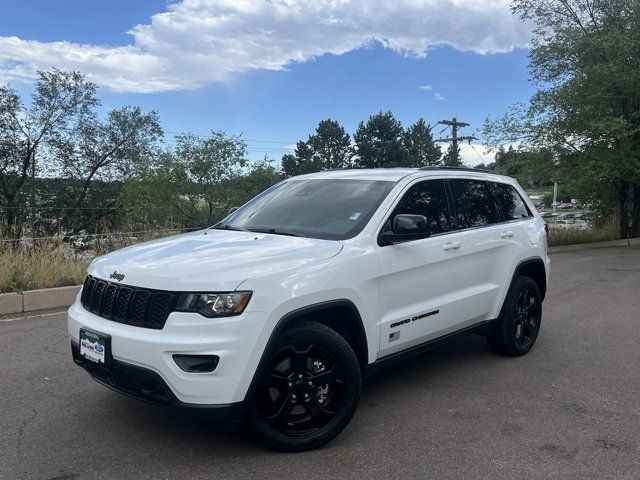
pixel 510 202
pixel 474 203
pixel 427 198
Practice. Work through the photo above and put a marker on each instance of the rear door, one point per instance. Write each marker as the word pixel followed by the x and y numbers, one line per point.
pixel 518 230
pixel 423 280
pixel 486 244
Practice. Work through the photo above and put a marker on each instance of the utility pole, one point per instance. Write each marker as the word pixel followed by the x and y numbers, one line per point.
pixel 454 139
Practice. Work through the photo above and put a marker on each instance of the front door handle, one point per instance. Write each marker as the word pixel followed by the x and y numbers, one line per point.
pixel 506 234
pixel 452 245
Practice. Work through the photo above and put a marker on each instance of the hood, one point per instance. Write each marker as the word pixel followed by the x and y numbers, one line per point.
pixel 209 260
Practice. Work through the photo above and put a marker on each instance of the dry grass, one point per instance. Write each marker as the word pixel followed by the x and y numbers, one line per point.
pixel 50 263
pixel 32 268
pixel 608 231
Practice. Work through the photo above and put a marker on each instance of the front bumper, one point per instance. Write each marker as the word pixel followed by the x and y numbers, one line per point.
pixel 142 353
pixel 146 385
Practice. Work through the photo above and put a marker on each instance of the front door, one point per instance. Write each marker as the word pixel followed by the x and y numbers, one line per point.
pixel 421 280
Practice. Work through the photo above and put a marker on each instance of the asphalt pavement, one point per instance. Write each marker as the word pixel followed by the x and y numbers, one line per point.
pixel 570 409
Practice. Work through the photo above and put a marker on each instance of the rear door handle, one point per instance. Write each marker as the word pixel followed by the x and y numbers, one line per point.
pixel 452 245
pixel 506 234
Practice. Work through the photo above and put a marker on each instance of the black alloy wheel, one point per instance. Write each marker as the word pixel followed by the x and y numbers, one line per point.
pixel 517 328
pixel 307 391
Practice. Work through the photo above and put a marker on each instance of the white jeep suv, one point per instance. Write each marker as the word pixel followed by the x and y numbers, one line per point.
pixel 275 314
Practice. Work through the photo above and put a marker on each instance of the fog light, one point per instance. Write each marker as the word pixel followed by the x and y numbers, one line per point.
pixel 197 363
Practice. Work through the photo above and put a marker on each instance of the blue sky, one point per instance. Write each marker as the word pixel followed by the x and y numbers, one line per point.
pixel 275 88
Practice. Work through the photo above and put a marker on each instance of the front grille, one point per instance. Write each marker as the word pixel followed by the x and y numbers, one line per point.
pixel 141 307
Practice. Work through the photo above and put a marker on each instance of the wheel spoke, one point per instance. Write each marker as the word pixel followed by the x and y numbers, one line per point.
pixel 316 410
pixel 299 360
pixel 284 411
pixel 277 381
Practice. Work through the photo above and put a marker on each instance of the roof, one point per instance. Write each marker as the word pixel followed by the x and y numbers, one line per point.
pixel 391 174
pixel 396 174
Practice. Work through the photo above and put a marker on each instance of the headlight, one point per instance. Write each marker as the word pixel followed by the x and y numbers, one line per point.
pixel 214 304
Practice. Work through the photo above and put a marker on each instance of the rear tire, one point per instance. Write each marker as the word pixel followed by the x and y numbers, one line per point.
pixel 307 390
pixel 519 323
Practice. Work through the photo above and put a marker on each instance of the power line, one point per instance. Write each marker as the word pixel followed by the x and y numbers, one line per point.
pixel 474 149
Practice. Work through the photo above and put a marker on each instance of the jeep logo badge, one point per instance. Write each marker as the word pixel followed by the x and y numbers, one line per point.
pixel 117 276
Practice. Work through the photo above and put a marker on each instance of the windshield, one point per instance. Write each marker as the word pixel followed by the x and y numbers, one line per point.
pixel 334 209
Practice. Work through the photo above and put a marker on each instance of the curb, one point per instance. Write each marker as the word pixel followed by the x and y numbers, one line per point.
pixel 43 299
pixel 632 242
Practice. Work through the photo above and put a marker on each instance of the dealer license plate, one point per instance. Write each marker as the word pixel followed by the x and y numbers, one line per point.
pixel 93 346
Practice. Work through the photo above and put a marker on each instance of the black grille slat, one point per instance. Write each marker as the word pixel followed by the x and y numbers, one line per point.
pixel 121 311
pixel 109 300
pixel 140 307
pixel 162 304
pixel 96 299
pixel 138 312
pixel 85 290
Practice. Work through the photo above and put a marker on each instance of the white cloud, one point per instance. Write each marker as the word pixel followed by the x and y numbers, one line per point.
pixel 473 154
pixel 429 88
pixel 196 42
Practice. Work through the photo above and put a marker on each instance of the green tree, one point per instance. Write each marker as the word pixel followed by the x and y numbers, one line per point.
pixel 530 167
pixel 206 165
pixel 452 156
pixel 98 154
pixel 329 148
pixel 585 60
pixel 421 149
pixel 256 178
pixel 379 142
pixel 59 100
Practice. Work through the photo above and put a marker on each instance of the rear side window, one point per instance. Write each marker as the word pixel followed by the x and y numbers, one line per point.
pixel 510 202
pixel 473 203
pixel 427 198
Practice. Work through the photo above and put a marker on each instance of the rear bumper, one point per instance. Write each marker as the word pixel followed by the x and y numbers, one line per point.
pixel 146 385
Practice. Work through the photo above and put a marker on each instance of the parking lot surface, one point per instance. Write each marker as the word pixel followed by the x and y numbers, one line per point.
pixel 569 409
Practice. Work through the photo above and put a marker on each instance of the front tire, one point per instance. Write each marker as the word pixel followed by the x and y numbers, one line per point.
pixel 307 390
pixel 519 323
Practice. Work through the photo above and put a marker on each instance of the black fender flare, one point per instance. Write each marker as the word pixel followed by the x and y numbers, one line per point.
pixel 298 313
pixel 516 272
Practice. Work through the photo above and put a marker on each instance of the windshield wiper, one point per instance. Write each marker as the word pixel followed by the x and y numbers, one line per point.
pixel 229 227
pixel 273 231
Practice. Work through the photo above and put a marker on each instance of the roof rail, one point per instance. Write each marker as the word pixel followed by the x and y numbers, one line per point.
pixel 463 169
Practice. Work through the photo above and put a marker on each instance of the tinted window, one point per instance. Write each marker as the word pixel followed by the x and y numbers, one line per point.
pixel 333 209
pixel 428 199
pixel 510 202
pixel 474 203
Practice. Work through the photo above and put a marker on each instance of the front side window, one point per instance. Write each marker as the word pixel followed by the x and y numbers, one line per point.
pixel 429 199
pixel 473 203
pixel 333 209
pixel 510 202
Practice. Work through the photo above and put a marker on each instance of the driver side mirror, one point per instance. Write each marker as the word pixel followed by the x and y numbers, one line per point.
pixel 405 228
